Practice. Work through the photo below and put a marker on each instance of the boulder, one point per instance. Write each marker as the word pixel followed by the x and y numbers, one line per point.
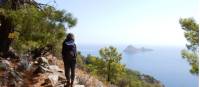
pixel 53 77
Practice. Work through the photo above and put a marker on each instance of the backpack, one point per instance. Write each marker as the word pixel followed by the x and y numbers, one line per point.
pixel 69 49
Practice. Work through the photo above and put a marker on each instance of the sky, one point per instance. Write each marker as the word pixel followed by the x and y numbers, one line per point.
pixel 148 22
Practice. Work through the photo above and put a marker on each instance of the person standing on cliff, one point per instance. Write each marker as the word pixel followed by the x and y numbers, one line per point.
pixel 69 53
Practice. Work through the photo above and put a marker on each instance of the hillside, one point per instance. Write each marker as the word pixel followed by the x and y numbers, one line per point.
pixel 47 71
pixel 44 71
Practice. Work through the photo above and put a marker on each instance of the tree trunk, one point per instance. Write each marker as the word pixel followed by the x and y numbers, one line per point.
pixel 108 79
pixel 6 27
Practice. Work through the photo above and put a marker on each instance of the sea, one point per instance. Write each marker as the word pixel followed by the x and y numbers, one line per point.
pixel 164 63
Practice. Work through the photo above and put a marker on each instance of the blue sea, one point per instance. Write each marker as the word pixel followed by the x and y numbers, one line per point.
pixel 163 63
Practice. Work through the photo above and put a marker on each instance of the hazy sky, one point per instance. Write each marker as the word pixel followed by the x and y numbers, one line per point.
pixel 150 22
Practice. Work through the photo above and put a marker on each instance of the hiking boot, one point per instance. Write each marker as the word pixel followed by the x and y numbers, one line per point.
pixel 67 84
pixel 72 83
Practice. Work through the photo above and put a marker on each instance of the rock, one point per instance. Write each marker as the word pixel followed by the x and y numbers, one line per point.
pixel 53 78
pixel 56 76
pixel 87 80
pixel 151 80
pixel 46 83
pixel 51 59
pixel 43 61
pixel 40 73
pixel 4 65
pixel 55 68
pixel 133 50
pixel 41 65
pixel 23 64
pixel 79 86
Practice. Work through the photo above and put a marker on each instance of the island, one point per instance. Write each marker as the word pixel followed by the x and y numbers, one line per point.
pixel 130 49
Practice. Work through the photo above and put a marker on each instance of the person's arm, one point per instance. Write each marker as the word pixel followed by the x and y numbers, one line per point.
pixel 75 51
pixel 63 49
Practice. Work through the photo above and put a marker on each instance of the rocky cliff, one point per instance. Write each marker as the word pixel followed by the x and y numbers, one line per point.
pixel 48 71
pixel 44 71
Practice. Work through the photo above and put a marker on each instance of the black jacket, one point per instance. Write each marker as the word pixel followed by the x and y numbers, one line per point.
pixel 69 51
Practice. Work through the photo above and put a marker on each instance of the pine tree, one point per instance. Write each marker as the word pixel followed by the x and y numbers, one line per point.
pixel 191 29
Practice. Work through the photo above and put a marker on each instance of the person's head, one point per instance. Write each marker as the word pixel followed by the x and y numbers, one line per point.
pixel 70 36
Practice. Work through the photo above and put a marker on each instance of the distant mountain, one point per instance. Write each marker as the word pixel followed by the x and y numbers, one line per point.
pixel 132 50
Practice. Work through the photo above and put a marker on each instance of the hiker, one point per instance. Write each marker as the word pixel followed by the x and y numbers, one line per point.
pixel 69 54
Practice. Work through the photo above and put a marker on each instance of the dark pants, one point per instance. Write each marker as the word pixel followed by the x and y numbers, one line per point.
pixel 70 66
